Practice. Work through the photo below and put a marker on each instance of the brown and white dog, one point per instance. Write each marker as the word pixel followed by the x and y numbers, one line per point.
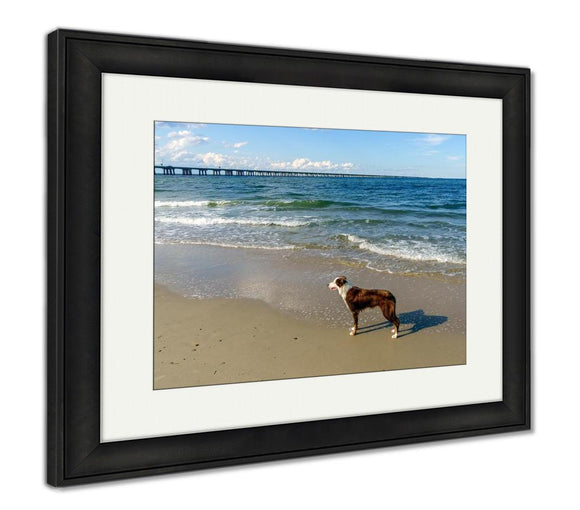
pixel 357 299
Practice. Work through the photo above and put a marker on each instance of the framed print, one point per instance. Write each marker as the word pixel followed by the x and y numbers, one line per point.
pixel 260 253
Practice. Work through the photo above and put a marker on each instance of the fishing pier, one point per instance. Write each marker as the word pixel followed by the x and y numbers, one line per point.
pixel 236 172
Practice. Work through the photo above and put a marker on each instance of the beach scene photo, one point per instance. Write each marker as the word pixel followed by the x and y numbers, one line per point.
pixel 291 252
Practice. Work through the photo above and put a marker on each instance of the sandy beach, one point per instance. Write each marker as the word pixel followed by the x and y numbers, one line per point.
pixel 276 319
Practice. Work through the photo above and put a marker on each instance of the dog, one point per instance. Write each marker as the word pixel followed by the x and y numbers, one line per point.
pixel 357 300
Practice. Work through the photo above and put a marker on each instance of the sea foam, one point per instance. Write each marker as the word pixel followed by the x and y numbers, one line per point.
pixel 206 221
pixel 427 253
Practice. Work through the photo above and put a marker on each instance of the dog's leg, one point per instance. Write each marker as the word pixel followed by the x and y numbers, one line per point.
pixel 355 327
pixel 396 322
pixel 389 312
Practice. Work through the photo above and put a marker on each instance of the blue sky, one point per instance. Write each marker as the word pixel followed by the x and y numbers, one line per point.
pixel 306 149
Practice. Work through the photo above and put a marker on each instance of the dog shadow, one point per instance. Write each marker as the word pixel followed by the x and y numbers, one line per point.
pixel 417 320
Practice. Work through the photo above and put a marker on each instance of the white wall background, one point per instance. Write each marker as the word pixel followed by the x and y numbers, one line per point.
pixel 492 472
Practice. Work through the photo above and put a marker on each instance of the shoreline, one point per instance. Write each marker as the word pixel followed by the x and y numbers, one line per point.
pixel 225 315
pixel 297 282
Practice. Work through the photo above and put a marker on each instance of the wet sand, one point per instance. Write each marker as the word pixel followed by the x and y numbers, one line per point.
pixel 282 327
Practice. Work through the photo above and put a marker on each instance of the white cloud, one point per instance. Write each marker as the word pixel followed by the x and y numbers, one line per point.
pixel 180 144
pixel 433 140
pixel 173 134
pixel 177 156
pixel 454 158
pixel 300 163
pixel 235 145
pixel 186 141
pixel 211 158
pixel 305 164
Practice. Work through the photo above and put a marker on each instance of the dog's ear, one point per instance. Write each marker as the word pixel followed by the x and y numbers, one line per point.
pixel 340 281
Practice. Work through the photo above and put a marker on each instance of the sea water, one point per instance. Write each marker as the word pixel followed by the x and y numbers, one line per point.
pixel 397 225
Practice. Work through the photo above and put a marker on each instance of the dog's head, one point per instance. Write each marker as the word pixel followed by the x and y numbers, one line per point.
pixel 337 283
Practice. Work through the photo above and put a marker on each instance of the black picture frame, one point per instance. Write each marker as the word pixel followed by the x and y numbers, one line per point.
pixel 75 62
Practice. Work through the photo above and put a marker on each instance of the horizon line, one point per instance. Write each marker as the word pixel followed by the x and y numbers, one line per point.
pixel 310 172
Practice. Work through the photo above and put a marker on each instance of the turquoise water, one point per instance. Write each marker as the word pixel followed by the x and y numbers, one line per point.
pixel 394 224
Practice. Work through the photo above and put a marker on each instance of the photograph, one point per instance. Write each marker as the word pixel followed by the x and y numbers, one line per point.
pixel 289 262
pixel 291 252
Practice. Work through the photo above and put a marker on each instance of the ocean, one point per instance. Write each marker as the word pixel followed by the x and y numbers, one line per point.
pixel 397 225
